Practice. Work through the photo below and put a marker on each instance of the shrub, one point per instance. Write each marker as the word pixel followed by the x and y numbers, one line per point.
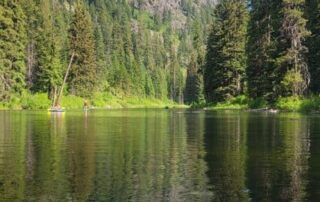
pixel 36 101
pixel 258 103
pixel 240 102
pixel 311 104
pixel 289 103
pixel 72 102
pixel 98 100
pixel 198 105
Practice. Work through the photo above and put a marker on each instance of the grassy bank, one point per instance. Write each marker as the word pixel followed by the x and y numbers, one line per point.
pixel 108 101
pixel 241 102
pixel 103 101
pixel 311 104
pixel 297 104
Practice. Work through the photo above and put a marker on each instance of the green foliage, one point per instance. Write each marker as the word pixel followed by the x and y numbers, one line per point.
pixel 36 101
pixel 135 51
pixel 12 47
pixel 44 63
pixel 289 103
pixel 83 73
pixel 72 102
pixel 193 91
pixel 13 103
pixel 313 42
pixel 194 81
pixel 239 102
pixel 124 50
pixel 226 56
pixel 311 104
pixel 261 48
pixel 198 105
pixel 277 63
pixel 292 82
pixel 258 103
pixel 291 58
pixel 106 100
pixel 295 103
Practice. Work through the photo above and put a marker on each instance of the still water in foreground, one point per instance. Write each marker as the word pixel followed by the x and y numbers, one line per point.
pixel 159 155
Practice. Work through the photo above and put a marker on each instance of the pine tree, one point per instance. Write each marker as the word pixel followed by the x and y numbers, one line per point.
pixel 292 72
pixel 313 14
pixel 193 91
pixel 47 75
pixel 12 49
pixel 226 56
pixel 83 73
pixel 32 12
pixel 261 48
pixel 120 61
pixel 194 80
pixel 173 76
pixel 119 47
pixel 101 54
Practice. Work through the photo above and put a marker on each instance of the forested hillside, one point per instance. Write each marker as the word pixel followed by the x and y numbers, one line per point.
pixel 123 47
pixel 180 50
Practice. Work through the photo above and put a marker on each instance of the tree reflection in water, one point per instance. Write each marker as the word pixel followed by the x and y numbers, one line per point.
pixel 159 155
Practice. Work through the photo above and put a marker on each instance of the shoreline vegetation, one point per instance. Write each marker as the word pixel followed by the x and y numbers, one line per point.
pixel 261 57
pixel 107 101
pixel 287 104
pixel 41 101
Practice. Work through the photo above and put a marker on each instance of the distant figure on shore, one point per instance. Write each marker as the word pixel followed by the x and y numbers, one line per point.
pixel 86 105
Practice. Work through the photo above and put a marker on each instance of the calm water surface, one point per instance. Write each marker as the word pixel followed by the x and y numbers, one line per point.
pixel 159 155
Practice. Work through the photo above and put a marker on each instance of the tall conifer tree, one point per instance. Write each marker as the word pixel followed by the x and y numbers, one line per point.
pixel 83 73
pixel 313 13
pixel 226 56
pixel 292 71
pixel 48 71
pixel 194 80
pixel 12 49
pixel 261 48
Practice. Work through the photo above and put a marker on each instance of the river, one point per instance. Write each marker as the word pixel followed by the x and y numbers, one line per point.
pixel 159 155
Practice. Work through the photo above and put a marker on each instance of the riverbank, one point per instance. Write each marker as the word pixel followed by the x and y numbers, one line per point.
pixel 107 101
pixel 290 104
pixel 102 101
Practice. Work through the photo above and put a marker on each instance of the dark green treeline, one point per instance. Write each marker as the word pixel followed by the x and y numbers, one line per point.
pixel 266 49
pixel 226 58
pixel 270 54
pixel 120 47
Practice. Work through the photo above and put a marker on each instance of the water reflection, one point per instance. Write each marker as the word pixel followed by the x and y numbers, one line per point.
pixel 278 152
pixel 160 155
pixel 313 188
pixel 225 138
pixel 116 156
pixel 13 132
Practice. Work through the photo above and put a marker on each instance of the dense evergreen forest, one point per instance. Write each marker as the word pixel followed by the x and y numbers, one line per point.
pixel 266 49
pixel 182 50
pixel 126 48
